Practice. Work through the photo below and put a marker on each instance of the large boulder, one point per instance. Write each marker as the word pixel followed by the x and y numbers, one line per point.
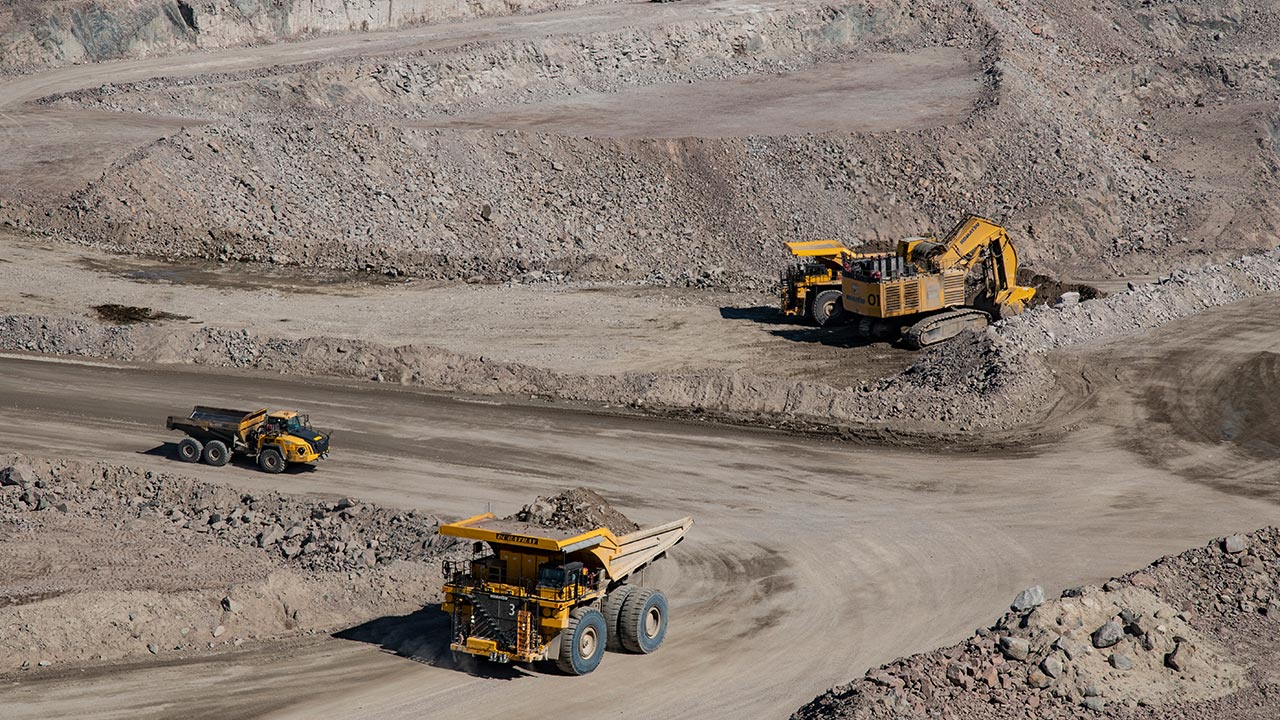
pixel 21 475
pixel 1027 599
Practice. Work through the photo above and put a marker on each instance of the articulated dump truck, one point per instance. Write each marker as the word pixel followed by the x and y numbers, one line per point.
pixel 272 439
pixel 533 593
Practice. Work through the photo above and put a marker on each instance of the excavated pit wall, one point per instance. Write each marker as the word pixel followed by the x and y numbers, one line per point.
pixel 156 564
pixel 336 165
pixel 1189 637
pixel 36 35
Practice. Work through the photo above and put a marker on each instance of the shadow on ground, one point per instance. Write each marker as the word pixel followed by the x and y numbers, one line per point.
pixel 844 335
pixel 763 314
pixel 170 450
pixel 423 636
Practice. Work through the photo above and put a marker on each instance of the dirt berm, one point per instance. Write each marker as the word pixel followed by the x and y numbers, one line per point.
pixel 1112 141
pixel 1190 636
pixel 100 563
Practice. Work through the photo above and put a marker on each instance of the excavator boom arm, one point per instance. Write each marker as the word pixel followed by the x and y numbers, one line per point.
pixel 963 245
pixel 976 239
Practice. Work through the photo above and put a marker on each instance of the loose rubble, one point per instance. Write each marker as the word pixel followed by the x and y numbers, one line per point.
pixel 313 535
pixel 35 34
pixel 1092 173
pixel 1190 636
pixel 575 509
pixel 995 380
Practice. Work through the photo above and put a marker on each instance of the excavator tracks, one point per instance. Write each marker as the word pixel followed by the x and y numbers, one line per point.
pixel 944 326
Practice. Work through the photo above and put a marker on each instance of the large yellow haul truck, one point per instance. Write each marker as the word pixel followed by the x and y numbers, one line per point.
pixel 533 593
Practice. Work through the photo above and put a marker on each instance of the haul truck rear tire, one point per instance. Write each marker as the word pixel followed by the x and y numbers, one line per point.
pixel 270 460
pixel 583 641
pixel 613 603
pixel 216 453
pixel 189 450
pixel 644 620
pixel 828 308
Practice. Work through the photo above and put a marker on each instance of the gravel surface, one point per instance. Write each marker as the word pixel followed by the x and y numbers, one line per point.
pixel 979 382
pixel 37 34
pixel 1102 145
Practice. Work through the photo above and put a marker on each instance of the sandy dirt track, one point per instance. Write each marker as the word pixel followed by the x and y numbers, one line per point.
pixel 879 93
pixel 926 545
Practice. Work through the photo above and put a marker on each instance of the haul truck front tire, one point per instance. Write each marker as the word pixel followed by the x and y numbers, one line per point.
pixel 583 641
pixel 828 308
pixel 270 460
pixel 644 620
pixel 189 450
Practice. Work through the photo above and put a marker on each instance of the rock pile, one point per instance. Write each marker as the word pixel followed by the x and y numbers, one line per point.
pixel 155 564
pixel 306 533
pixel 575 509
pixel 1191 635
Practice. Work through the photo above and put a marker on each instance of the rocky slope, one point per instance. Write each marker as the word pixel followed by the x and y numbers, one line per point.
pixel 100 563
pixel 995 380
pixel 1190 636
pixel 35 35
pixel 1107 148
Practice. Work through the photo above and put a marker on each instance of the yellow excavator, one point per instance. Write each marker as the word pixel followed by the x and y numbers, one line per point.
pixel 923 290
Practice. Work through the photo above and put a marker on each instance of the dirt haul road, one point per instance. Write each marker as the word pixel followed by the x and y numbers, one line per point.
pixel 810 559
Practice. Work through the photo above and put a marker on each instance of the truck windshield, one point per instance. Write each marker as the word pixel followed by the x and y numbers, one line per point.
pixel 297 423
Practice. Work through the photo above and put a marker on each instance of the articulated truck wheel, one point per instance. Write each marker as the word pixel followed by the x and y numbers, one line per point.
pixel 583 641
pixel 216 453
pixel 270 460
pixel 189 450
pixel 644 620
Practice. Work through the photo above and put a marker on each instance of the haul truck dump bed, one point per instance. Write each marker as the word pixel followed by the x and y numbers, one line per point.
pixel 534 593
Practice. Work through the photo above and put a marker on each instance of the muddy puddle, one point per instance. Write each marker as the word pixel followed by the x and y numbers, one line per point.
pixel 239 276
